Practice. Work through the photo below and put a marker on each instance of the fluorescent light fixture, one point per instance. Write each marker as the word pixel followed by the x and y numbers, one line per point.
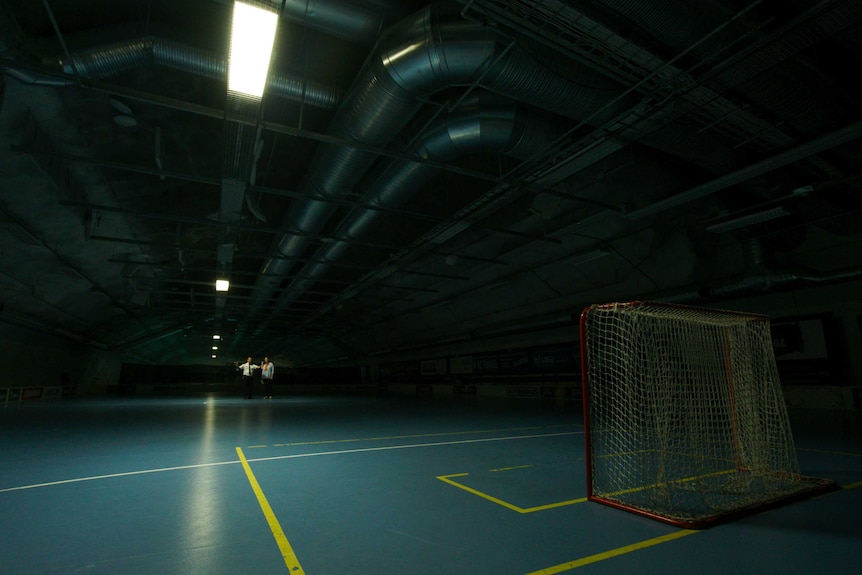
pixel 216 336
pixel 581 159
pixel 451 231
pixel 588 257
pixel 215 347
pixel 222 285
pixel 214 356
pixel 251 38
pixel 748 220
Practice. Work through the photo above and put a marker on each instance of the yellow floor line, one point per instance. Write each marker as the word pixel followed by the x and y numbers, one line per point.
pixel 414 436
pixel 633 547
pixel 613 553
pixel 448 479
pixel 290 559
pixel 499 469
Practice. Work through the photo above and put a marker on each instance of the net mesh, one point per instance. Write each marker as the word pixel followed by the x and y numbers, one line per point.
pixel 685 416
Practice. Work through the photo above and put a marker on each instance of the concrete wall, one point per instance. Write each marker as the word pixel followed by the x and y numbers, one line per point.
pixel 843 302
pixel 37 360
pixel 840 303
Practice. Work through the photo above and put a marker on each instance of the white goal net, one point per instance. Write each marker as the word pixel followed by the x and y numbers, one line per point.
pixel 684 416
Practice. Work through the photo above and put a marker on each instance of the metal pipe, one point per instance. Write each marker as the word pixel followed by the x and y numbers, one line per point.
pixel 484 123
pixel 421 55
pixel 119 57
pixel 810 148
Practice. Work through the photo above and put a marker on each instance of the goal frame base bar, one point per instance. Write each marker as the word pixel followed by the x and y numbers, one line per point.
pixel 822 488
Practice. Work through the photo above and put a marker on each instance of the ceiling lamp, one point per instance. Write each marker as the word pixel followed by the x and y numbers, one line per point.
pixel 251 39
pixel 222 285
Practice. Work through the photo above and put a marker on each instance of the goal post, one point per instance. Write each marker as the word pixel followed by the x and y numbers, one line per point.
pixel 684 417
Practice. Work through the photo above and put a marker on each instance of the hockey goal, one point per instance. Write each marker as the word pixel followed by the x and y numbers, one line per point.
pixel 684 416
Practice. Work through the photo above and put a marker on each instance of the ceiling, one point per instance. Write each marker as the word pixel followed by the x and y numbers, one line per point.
pixel 417 173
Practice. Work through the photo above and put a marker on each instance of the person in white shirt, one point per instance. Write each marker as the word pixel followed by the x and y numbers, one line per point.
pixel 266 373
pixel 247 371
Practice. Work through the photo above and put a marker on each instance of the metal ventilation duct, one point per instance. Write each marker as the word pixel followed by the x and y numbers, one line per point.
pixel 483 123
pixel 423 54
pixel 128 55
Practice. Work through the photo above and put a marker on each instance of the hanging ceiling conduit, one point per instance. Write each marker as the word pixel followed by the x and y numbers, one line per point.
pixel 354 22
pixel 807 28
pixel 482 123
pixel 16 46
pixel 423 54
pixel 805 150
pixel 633 126
pixel 753 70
pixel 359 21
pixel 700 35
pixel 409 79
pixel 113 59
pixel 762 275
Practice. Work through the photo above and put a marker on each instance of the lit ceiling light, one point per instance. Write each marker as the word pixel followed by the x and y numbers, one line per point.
pixel 222 285
pixel 214 356
pixel 215 347
pixel 216 336
pixel 251 39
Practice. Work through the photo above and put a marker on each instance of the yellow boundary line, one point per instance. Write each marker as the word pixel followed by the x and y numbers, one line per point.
pixel 287 553
pixel 613 553
pixel 507 505
pixel 568 566
pixel 416 436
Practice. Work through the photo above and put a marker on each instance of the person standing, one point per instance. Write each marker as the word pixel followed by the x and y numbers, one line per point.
pixel 266 374
pixel 247 371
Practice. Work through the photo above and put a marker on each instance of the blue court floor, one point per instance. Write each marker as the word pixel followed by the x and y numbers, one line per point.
pixel 371 486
